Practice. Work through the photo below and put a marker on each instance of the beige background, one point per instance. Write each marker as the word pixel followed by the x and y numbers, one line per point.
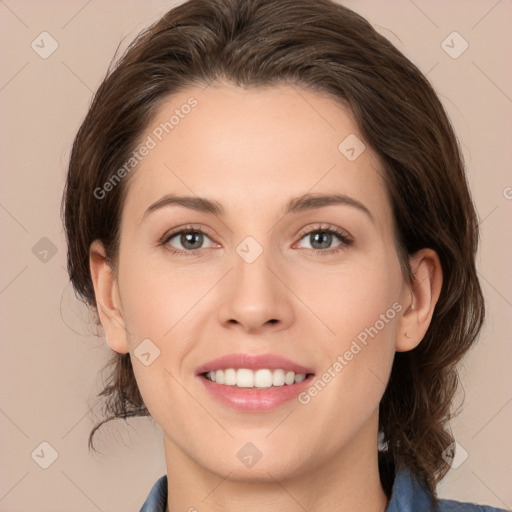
pixel 50 358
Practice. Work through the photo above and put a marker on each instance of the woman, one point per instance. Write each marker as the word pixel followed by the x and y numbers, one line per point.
pixel 267 207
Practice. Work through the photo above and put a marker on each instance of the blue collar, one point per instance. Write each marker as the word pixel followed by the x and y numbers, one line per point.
pixel 408 495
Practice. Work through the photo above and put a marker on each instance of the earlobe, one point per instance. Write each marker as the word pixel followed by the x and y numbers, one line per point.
pixel 419 299
pixel 108 300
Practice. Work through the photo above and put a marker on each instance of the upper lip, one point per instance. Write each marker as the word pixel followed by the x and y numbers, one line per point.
pixel 253 362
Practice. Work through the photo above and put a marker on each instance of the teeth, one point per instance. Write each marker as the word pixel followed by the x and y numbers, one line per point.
pixel 263 378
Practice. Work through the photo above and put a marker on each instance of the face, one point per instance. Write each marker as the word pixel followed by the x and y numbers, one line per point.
pixel 269 268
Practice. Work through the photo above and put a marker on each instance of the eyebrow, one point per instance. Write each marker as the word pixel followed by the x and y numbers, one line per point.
pixel 294 205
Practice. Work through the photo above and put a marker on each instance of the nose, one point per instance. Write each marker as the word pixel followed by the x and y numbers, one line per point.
pixel 256 297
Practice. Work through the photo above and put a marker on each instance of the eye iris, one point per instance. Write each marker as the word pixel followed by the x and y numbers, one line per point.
pixel 318 237
pixel 189 238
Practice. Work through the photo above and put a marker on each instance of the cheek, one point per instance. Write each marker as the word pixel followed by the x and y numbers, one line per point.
pixel 361 308
pixel 157 298
pixel 354 298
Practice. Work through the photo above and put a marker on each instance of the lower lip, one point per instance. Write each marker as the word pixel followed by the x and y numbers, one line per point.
pixel 255 399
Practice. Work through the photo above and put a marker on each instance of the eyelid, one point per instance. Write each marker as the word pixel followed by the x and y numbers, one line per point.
pixel 343 233
pixel 171 233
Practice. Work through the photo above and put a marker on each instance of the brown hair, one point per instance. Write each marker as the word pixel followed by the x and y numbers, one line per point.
pixel 324 46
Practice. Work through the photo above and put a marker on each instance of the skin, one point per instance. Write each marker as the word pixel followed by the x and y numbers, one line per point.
pixel 252 150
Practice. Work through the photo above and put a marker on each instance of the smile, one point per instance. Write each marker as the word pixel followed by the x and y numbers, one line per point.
pixel 261 378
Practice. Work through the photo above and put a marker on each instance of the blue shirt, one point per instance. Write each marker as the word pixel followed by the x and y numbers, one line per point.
pixel 407 496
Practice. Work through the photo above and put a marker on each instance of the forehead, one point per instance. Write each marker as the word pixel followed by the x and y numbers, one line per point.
pixel 254 148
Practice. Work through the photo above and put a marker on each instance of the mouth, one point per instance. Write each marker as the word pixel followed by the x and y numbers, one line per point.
pixel 254 383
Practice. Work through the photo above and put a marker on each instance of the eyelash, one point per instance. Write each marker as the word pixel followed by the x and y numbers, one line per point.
pixel 343 237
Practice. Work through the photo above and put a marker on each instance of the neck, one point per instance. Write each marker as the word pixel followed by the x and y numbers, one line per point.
pixel 349 480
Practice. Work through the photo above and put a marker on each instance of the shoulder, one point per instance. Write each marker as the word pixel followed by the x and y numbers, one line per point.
pixel 410 495
pixel 458 506
pixel 157 498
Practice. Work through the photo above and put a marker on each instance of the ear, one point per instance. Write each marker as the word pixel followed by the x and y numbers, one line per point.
pixel 108 300
pixel 419 299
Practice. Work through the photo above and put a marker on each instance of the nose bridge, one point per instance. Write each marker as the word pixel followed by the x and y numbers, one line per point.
pixel 252 268
pixel 256 296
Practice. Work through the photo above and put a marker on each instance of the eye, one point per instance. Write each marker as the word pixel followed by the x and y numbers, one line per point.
pixel 190 239
pixel 321 239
